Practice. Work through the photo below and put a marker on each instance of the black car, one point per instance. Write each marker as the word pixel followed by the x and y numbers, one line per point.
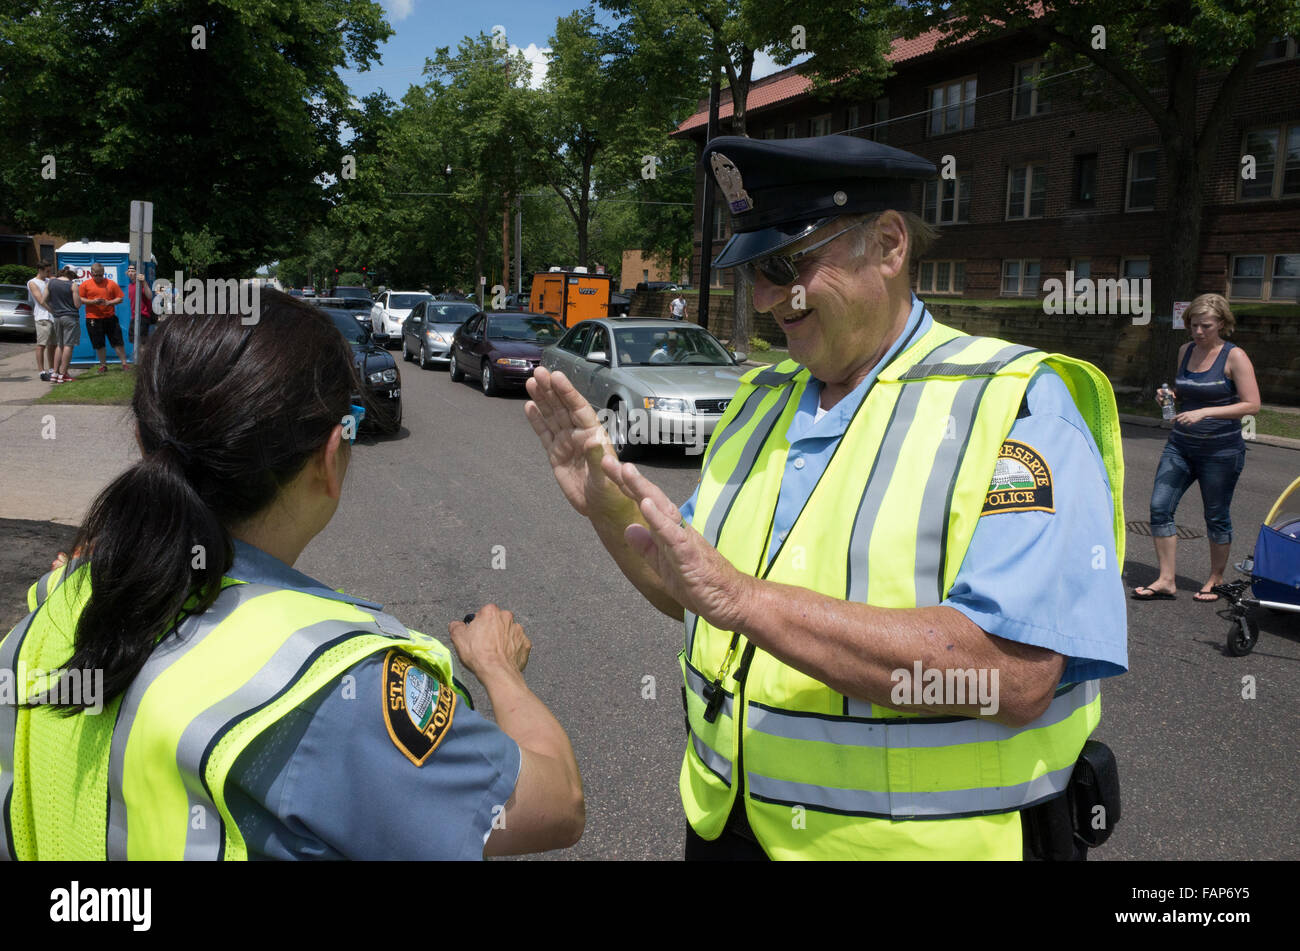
pixel 501 350
pixel 377 370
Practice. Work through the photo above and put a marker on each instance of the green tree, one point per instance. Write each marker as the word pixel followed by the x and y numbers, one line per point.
pixel 224 113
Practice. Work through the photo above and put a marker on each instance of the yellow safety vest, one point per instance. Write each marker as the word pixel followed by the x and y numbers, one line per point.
pixel 145 777
pixel 888 524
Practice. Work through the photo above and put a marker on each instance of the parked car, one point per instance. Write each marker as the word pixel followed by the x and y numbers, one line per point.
pixel 619 305
pixel 658 286
pixel 377 371
pixel 427 332
pixel 388 312
pixel 662 381
pixel 15 312
pixel 501 350
pixel 517 302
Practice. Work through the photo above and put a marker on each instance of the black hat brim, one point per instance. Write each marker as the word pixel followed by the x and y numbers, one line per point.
pixel 752 245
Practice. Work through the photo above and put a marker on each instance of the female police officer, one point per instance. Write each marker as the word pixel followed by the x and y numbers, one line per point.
pixel 206 700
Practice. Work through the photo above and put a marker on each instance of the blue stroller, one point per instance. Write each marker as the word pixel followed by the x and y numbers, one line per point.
pixel 1274 569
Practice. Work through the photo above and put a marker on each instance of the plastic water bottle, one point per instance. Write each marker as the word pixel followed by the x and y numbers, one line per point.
pixel 1166 402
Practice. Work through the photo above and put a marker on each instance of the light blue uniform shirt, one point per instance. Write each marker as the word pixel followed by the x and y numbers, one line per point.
pixel 327 781
pixel 1049 579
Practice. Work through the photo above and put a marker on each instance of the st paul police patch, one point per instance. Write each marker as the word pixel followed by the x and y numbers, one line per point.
pixel 418 710
pixel 1022 481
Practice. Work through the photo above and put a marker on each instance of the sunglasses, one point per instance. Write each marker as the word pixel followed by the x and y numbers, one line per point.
pixel 357 414
pixel 780 269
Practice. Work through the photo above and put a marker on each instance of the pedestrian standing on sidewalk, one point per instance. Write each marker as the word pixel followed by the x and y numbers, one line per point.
pixel 679 307
pixel 141 299
pixel 1217 387
pixel 64 301
pixel 46 338
pixel 101 296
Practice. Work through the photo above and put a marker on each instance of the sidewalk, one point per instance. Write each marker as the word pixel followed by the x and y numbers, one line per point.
pixel 55 459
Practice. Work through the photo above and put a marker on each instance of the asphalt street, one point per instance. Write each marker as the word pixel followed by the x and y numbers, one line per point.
pixel 1206 773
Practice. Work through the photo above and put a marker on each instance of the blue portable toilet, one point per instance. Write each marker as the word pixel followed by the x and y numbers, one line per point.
pixel 114 255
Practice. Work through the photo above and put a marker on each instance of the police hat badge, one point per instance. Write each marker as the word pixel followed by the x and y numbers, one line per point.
pixel 728 176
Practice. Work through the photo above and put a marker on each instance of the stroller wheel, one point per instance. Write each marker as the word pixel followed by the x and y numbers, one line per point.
pixel 1242 636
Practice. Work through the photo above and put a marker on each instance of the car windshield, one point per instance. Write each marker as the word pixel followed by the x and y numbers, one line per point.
pixel 406 301
pixel 450 313
pixel 348 325
pixel 529 329
pixel 651 346
pixel 12 292
pixel 356 293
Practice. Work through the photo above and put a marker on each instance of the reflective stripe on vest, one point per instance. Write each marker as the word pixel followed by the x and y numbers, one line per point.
pixel 853 768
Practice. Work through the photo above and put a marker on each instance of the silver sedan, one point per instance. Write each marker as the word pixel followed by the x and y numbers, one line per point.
pixel 652 382
pixel 15 311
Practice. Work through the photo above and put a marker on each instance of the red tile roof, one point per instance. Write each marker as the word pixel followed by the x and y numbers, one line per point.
pixel 789 84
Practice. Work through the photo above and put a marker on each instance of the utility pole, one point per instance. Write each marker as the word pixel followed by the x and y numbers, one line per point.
pixel 519 244
pixel 706 214
pixel 505 244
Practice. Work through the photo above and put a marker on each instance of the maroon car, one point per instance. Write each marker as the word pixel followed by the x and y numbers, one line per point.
pixel 501 350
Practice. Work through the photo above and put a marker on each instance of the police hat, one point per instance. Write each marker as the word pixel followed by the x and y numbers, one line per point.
pixel 780 190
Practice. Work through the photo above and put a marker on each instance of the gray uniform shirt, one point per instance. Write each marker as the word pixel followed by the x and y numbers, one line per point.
pixel 329 782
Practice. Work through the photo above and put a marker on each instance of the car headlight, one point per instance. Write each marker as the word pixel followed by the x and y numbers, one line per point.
pixel 384 376
pixel 436 337
pixel 666 405
pixel 508 362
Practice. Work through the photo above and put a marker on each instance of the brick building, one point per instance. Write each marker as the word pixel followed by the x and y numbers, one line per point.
pixel 1042 184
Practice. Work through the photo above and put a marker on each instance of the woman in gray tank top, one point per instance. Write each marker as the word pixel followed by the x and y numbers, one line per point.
pixel 1216 387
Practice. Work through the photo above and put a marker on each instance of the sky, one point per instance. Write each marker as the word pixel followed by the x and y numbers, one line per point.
pixel 421 26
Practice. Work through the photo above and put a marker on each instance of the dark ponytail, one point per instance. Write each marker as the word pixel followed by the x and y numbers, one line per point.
pixel 227 415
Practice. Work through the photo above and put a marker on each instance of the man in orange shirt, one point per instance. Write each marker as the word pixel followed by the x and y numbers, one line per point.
pixel 101 295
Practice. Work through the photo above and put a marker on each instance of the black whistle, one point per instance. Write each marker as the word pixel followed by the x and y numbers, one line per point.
pixel 713 696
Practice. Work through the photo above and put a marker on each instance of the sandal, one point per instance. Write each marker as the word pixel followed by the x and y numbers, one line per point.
pixel 1152 594
pixel 1206 597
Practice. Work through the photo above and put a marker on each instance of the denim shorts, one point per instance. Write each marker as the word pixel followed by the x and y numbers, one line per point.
pixel 1217 476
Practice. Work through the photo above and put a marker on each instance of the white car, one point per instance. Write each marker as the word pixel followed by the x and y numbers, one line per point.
pixel 390 309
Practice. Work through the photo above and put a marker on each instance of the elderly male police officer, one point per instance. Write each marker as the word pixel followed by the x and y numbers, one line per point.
pixel 899 573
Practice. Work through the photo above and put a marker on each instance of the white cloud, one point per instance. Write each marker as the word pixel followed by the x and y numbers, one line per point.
pixel 398 9
pixel 538 58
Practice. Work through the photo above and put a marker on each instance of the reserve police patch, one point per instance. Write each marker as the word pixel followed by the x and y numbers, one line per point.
pixel 417 708
pixel 1022 481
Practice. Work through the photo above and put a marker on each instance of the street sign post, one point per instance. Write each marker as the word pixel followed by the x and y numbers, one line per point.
pixel 141 245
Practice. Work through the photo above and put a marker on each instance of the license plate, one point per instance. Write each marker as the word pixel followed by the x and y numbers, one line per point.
pixel 395 393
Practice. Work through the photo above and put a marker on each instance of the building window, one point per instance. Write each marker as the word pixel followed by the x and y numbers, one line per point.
pixel 1273 178
pixel 1135 268
pixel 719 224
pixel 769 133
pixel 715 277
pixel 1027 99
pixel 1273 277
pixel 947 201
pixel 1082 268
pixel 952 106
pixel 645 274
pixel 880 120
pixel 1026 191
pixel 941 277
pixel 851 118
pixel 1280 49
pixel 819 125
pixel 1085 179
pixel 1141 180
pixel 1020 278
pixel 789 130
